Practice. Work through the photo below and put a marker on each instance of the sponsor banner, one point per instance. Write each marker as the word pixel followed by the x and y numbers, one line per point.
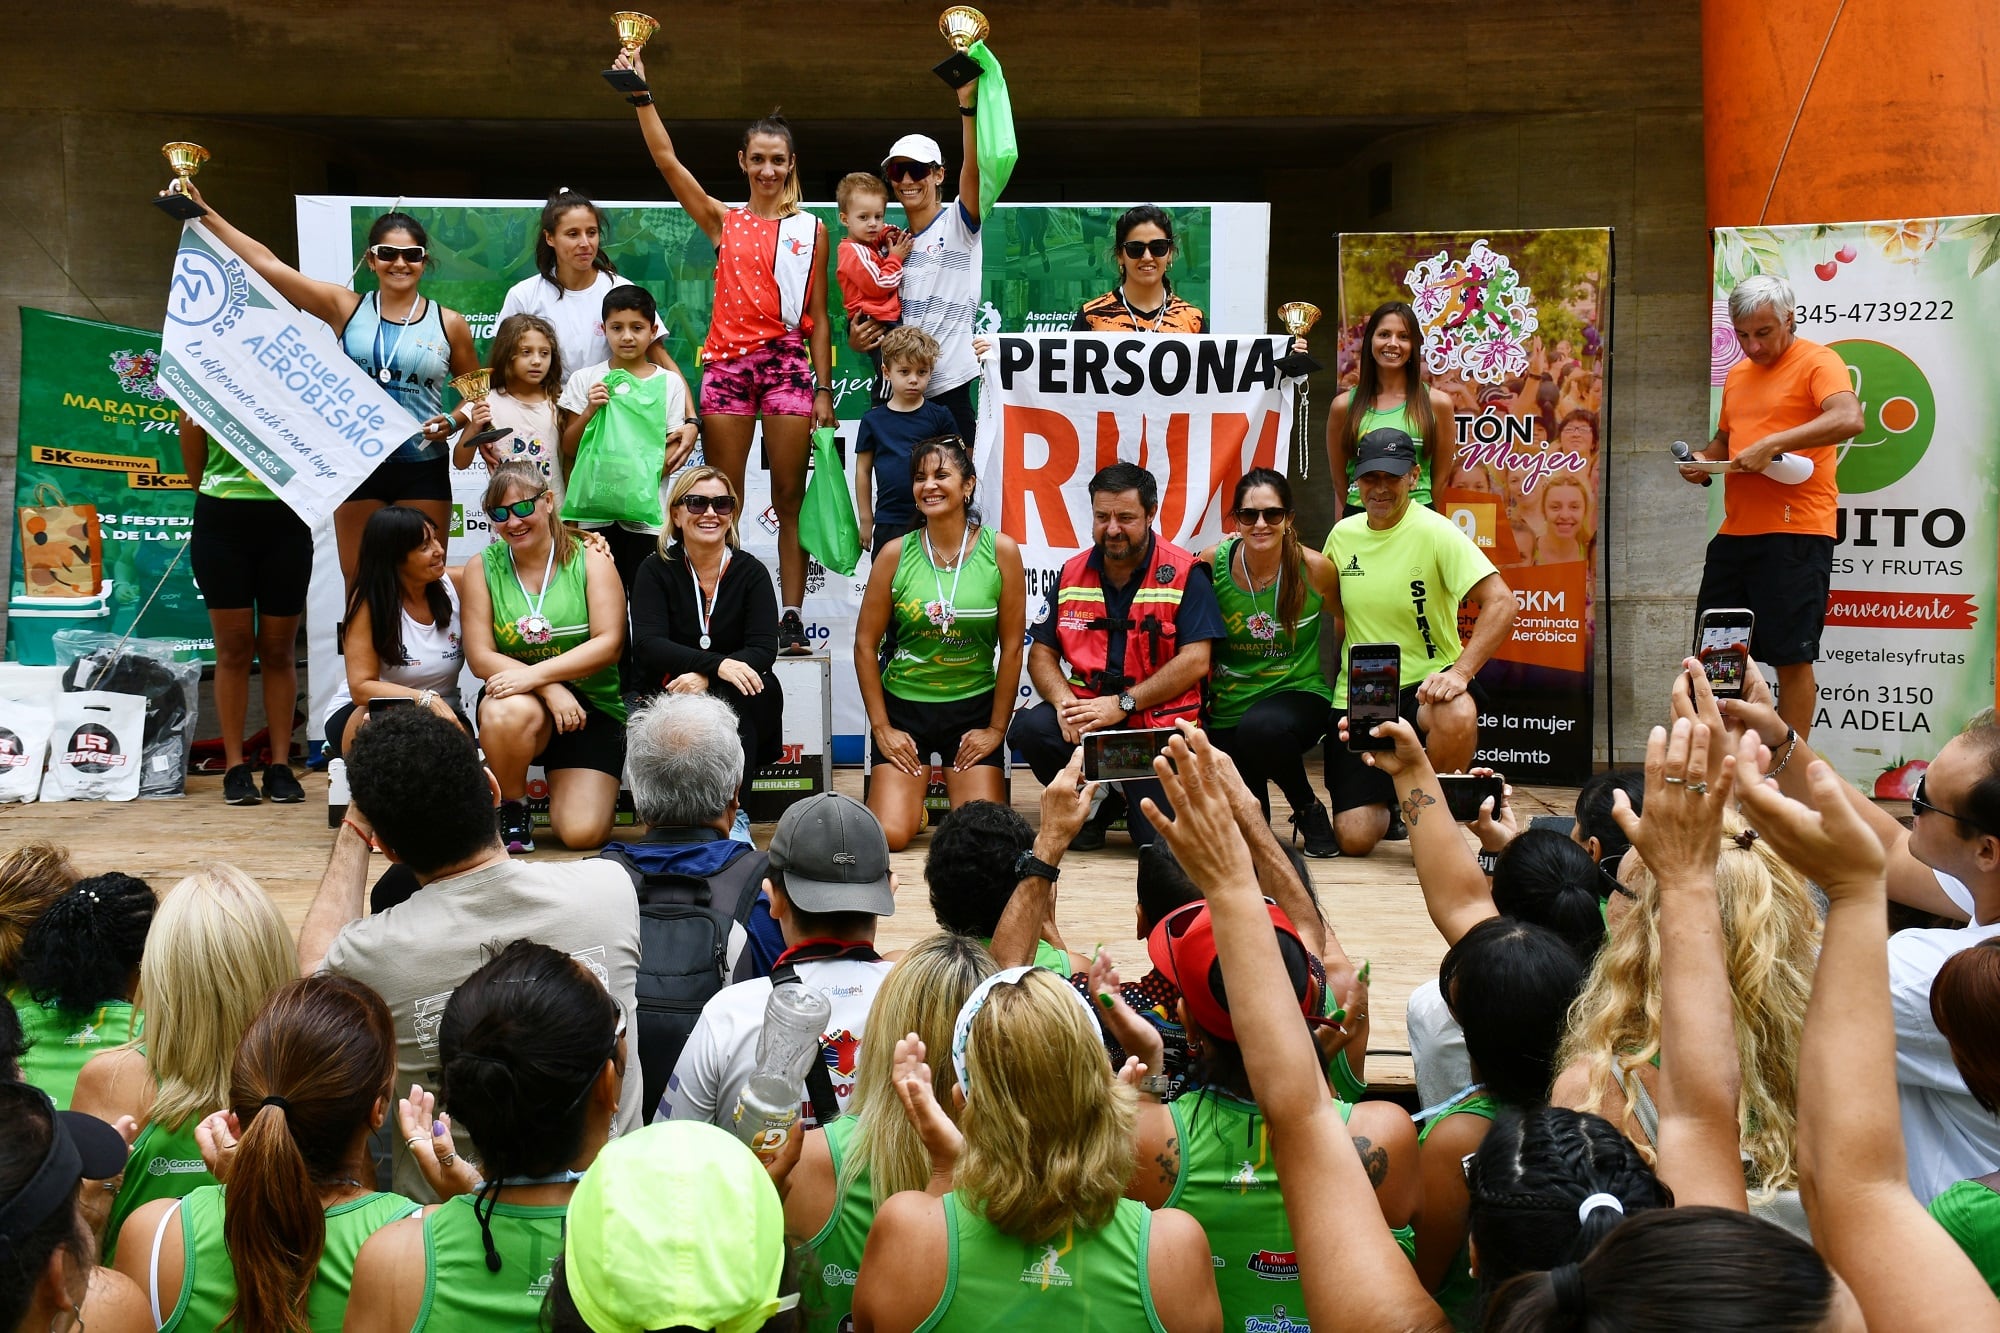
pixel 1040 264
pixel 270 384
pixel 1517 332
pixel 1910 305
pixel 97 429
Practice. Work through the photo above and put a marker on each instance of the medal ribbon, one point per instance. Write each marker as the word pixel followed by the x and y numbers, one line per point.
pixel 524 625
pixel 947 607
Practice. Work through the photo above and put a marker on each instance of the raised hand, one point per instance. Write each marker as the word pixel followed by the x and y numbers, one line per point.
pixel 1826 841
pixel 1203 832
pixel 428 1137
pixel 1685 802
pixel 912 1079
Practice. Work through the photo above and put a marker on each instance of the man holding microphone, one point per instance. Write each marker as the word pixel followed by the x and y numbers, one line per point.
pixel 1774 553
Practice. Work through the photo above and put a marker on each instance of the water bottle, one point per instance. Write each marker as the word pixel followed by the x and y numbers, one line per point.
pixel 336 793
pixel 794 1018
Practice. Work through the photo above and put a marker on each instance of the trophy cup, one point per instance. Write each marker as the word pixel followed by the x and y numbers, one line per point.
pixel 185 159
pixel 634 29
pixel 1299 317
pixel 473 386
pixel 962 25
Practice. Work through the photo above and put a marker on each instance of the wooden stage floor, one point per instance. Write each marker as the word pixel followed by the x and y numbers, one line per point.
pixel 1373 903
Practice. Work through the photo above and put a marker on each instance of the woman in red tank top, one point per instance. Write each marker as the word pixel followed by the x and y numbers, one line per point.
pixel 767 352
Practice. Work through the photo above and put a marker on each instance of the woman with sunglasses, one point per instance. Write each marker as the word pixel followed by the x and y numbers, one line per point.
pixel 409 343
pixel 1142 248
pixel 705 617
pixel 533 1050
pixel 1269 700
pixel 544 624
pixel 955 596
pixel 1389 390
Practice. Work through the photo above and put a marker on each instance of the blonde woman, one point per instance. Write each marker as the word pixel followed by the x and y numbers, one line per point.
pixel 849 1168
pixel 1035 1232
pixel 32 876
pixel 1771 938
pixel 217 949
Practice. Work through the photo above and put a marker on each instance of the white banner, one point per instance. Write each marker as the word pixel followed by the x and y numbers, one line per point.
pixel 270 384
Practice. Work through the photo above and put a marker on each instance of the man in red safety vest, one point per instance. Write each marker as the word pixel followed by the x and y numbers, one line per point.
pixel 1133 616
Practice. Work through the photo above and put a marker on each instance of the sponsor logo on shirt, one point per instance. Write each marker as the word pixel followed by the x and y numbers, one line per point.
pixel 1353 567
pixel 427 1016
pixel 1274 1265
pixel 841 1049
pixel 1279 1322
pixel 1245 1178
pixel 176 1166
pixel 1046 1271
pixel 833 1275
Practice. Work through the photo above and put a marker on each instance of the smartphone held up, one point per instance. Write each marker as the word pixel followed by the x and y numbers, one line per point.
pixel 1722 644
pixel 1374 693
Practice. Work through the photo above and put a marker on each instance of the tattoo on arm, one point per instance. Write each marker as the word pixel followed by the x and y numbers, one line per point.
pixel 1375 1160
pixel 1413 806
pixel 1169 1162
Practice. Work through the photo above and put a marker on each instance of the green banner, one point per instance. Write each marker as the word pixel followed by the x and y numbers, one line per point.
pixel 97 430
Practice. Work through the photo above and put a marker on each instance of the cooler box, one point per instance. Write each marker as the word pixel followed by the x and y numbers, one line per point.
pixel 32 623
pixel 805 765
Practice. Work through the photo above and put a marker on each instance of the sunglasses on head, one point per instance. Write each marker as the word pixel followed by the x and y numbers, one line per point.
pixel 905 170
pixel 1159 249
pixel 389 254
pixel 723 505
pixel 1247 517
pixel 519 509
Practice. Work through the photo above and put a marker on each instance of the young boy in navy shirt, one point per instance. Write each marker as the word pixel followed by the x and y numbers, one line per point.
pixel 891 431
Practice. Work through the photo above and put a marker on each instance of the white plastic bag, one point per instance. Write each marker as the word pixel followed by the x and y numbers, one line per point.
pixel 24 744
pixel 96 746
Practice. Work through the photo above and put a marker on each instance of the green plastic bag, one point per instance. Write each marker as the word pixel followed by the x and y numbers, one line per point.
pixel 993 130
pixel 621 455
pixel 826 520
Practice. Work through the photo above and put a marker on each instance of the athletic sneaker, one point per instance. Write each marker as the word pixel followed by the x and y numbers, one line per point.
pixel 239 786
pixel 1313 825
pixel 281 787
pixel 1090 837
pixel 515 829
pixel 792 636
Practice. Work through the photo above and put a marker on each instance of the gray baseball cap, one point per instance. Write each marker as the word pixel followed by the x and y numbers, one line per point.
pixel 1385 449
pixel 834 857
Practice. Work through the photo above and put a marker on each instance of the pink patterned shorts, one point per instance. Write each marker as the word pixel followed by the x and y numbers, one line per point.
pixel 776 380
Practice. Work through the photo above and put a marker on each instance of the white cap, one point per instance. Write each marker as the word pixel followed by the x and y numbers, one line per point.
pixel 917 148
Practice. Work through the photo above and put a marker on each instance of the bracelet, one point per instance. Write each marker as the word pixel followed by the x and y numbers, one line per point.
pixel 969 110
pixel 1489 861
pixel 1791 745
pixel 642 98
pixel 426 698
pixel 690 421
pixel 359 832
pixel 822 388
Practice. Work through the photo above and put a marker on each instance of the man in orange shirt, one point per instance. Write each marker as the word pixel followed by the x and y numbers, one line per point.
pixel 1774 553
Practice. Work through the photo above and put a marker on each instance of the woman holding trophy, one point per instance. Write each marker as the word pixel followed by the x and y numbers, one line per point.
pixel 408 342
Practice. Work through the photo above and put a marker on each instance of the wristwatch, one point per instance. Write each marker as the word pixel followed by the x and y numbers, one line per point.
pixel 1157 1085
pixel 1029 866
pixel 1126 702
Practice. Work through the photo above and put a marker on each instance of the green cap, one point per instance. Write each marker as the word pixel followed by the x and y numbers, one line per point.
pixel 675 1225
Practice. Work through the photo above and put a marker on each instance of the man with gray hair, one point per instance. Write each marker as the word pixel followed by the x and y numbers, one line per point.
pixel 1774 553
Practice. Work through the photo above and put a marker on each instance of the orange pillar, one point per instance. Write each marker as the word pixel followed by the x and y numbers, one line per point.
pixel 1903 119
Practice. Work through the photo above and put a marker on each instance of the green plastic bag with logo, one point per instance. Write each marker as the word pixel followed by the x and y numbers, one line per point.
pixel 826 520
pixel 621 455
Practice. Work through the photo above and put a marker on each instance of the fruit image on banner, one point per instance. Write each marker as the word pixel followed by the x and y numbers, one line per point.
pixel 1516 332
pixel 1909 305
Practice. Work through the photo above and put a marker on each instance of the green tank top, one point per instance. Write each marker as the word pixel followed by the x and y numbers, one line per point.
pixel 1970 1214
pixel 1090 1283
pixel 1399 419
pixel 1230 1184
pixel 567 609
pixel 460 1292
pixel 831 1260
pixel 1257 657
pixel 208 1279
pixel 165 1164
pixel 223 477
pixel 1459 1296
pixel 59 1041
pixel 947 623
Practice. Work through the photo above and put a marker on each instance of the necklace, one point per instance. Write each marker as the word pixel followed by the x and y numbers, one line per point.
pixel 534 627
pixel 385 364
pixel 1159 316
pixel 945 609
pixel 1263 625
pixel 704 606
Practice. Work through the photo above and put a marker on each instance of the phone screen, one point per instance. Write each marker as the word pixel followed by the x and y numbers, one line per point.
pixel 1123 756
pixel 1463 793
pixel 385 702
pixel 1722 642
pixel 1374 690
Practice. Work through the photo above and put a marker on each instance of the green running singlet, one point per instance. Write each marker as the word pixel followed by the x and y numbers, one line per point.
pixel 1257 657
pixel 1090 1283
pixel 832 1259
pixel 460 1292
pixel 947 622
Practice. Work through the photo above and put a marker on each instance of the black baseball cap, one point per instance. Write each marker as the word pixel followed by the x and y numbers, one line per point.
pixel 81 1147
pixel 834 856
pixel 1385 449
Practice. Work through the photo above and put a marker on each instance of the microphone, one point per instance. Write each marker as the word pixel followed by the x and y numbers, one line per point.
pixel 1680 451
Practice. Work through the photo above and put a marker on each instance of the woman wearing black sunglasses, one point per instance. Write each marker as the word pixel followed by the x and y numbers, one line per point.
pixel 705 618
pixel 1143 301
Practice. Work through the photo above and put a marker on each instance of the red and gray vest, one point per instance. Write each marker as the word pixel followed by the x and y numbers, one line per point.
pixel 1084 630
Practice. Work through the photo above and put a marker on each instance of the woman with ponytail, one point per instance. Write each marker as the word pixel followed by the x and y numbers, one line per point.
pixel 78 969
pixel 274 1247
pixel 534 1058
pixel 1270 701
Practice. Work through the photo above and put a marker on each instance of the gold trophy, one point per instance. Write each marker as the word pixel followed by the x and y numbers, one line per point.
pixel 185 159
pixel 634 30
pixel 1299 318
pixel 962 25
pixel 473 386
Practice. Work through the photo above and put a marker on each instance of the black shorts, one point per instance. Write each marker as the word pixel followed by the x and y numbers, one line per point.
pixel 1784 578
pixel 1350 781
pixel 937 728
pixel 250 553
pixel 598 744
pixel 958 402
pixel 394 481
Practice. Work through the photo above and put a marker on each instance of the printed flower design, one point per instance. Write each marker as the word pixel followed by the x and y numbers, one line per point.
pixel 137 371
pixel 1904 242
pixel 1475 313
pixel 1724 350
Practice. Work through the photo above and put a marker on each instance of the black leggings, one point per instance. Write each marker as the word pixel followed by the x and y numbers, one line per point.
pixel 1269 743
pixel 628 551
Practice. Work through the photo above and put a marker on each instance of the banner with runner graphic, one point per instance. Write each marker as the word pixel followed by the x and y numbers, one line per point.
pixel 1910 305
pixel 1040 264
pixel 97 431
pixel 1517 332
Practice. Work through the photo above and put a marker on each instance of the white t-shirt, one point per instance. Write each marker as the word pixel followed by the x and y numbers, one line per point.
pixel 721 1052
pixel 435 654
pixel 1947 1136
pixel 537 436
pixel 1437 1045
pixel 576 398
pixel 577 317
pixel 941 281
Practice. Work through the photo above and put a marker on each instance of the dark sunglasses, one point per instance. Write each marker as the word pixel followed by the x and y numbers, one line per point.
pixel 519 509
pixel 1919 805
pixel 389 254
pixel 1140 249
pixel 1247 517
pixel 906 170
pixel 723 505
